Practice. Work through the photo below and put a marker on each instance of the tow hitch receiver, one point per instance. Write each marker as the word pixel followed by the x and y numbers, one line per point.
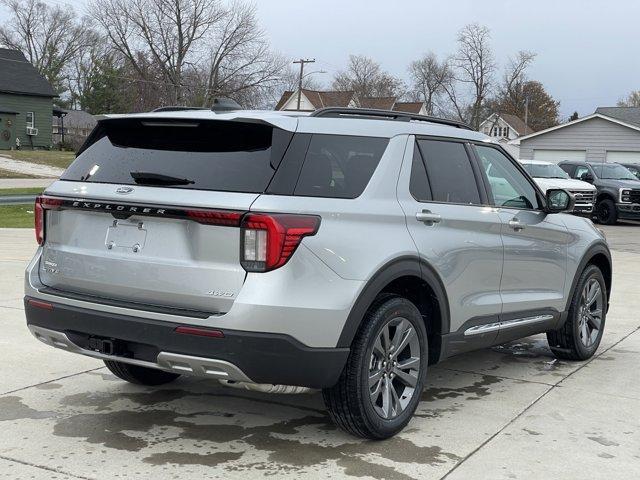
pixel 104 345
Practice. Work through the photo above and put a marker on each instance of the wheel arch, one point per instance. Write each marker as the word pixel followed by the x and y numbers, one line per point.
pixel 605 195
pixel 600 256
pixel 415 280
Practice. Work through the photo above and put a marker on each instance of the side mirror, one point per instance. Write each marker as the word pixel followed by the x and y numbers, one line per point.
pixel 587 177
pixel 559 200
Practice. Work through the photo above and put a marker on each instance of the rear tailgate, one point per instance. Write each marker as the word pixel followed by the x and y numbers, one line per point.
pixel 172 241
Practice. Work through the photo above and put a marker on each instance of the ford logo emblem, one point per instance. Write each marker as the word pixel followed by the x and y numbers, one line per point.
pixel 124 190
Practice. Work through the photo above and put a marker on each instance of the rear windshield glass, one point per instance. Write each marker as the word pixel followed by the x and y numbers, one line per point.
pixel 204 155
pixel 338 166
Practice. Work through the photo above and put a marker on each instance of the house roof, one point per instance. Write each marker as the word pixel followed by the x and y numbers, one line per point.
pixel 381 103
pixel 19 76
pixel 409 107
pixel 76 119
pixel 629 115
pixel 583 119
pixel 319 99
pixel 516 123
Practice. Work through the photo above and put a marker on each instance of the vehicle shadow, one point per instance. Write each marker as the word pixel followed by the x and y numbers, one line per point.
pixel 199 422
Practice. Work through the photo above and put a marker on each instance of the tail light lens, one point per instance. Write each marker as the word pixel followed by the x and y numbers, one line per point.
pixel 267 241
pixel 43 203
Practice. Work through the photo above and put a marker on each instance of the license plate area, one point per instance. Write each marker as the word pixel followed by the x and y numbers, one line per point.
pixel 126 236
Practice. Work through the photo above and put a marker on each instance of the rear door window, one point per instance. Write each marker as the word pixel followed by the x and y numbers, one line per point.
pixel 451 176
pixel 338 166
pixel 204 155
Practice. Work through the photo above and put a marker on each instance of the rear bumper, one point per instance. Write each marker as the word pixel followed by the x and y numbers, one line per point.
pixel 242 356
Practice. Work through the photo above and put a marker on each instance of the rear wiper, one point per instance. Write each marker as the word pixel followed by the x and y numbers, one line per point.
pixel 150 178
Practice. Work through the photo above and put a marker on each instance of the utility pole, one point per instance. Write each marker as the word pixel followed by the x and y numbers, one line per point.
pixel 526 112
pixel 302 61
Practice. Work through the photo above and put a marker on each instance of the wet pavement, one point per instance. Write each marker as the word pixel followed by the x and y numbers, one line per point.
pixel 509 412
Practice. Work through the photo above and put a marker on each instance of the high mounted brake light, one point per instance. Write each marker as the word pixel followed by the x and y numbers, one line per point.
pixel 43 203
pixel 267 241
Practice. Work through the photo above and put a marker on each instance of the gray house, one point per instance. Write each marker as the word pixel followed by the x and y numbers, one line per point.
pixel 611 134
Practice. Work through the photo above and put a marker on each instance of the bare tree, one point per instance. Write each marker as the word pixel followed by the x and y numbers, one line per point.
pixel 632 100
pixel 240 64
pixel 165 31
pixel 366 78
pixel 475 67
pixel 429 77
pixel 49 36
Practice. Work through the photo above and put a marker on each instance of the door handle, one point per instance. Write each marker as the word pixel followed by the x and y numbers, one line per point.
pixel 516 225
pixel 427 217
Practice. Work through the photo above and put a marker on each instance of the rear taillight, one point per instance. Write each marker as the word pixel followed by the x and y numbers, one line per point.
pixel 43 203
pixel 267 241
pixel 216 217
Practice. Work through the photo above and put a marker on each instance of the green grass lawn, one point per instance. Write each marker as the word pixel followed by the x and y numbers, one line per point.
pixel 52 158
pixel 20 191
pixel 16 216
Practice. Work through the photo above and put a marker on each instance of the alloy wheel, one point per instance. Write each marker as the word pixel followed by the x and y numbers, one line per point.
pixel 394 368
pixel 590 312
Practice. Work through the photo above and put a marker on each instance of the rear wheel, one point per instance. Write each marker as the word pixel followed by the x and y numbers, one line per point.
pixel 380 387
pixel 580 336
pixel 606 212
pixel 139 375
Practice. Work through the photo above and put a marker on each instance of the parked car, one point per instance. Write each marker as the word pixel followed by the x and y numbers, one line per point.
pixel 550 176
pixel 618 189
pixel 346 250
pixel 633 168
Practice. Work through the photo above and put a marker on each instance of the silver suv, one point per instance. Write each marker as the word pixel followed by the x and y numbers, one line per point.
pixel 344 250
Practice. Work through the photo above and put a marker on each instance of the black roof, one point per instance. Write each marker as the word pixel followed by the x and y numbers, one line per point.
pixel 629 115
pixel 19 76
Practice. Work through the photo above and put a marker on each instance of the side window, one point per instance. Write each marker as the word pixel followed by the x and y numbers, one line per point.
pixel 567 168
pixel 419 184
pixel 451 176
pixel 509 186
pixel 581 171
pixel 338 166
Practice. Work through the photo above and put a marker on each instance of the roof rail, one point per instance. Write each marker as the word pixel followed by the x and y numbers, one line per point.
pixel 345 112
pixel 176 108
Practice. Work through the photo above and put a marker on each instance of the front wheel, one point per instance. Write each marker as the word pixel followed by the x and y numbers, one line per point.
pixel 580 336
pixel 606 212
pixel 380 387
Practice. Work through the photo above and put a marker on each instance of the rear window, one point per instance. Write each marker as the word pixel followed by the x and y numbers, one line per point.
pixel 203 155
pixel 338 166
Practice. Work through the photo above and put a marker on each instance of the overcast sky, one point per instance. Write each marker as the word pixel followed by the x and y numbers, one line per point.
pixel 588 50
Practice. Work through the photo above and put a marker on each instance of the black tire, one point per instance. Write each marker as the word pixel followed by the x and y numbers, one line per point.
pixel 606 212
pixel 349 401
pixel 566 343
pixel 140 375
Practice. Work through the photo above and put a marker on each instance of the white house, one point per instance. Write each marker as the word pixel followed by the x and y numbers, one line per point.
pixel 505 128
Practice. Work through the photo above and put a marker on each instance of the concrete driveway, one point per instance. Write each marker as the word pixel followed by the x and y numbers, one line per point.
pixel 510 412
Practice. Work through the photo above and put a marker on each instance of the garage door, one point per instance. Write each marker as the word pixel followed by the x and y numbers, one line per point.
pixel 623 157
pixel 556 156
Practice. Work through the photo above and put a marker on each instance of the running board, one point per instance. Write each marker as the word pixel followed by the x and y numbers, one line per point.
pixel 516 322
